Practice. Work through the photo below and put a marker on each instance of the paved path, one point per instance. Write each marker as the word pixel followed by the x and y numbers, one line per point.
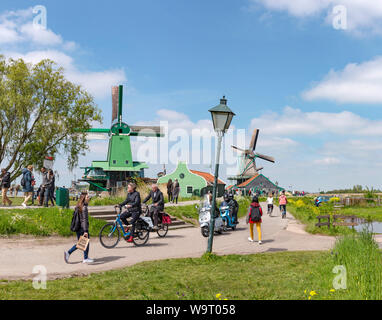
pixel 18 256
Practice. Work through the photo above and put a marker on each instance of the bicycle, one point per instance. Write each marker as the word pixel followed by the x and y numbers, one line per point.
pixel 110 233
pixel 163 227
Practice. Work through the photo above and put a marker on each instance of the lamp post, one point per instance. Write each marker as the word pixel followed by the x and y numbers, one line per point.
pixel 221 118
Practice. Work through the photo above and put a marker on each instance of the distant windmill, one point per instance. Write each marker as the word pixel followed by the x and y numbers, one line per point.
pixel 247 158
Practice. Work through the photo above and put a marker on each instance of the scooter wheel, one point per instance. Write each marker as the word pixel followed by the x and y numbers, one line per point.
pixel 205 232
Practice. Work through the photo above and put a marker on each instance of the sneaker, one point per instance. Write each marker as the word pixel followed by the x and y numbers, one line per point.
pixel 260 242
pixel 66 256
pixel 250 239
pixel 24 205
pixel 129 239
pixel 88 260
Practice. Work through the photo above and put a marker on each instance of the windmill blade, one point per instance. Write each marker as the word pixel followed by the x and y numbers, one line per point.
pixel 239 149
pixel 115 103
pixel 146 131
pixel 259 169
pixel 253 143
pixel 266 158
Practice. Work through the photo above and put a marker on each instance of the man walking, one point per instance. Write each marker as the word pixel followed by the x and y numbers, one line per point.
pixel 158 204
pixel 5 184
pixel 44 192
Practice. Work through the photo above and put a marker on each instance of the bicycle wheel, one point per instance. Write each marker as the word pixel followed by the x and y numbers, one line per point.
pixel 162 232
pixel 141 235
pixel 109 235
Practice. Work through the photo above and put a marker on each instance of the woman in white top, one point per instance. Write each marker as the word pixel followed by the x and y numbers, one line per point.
pixel 270 203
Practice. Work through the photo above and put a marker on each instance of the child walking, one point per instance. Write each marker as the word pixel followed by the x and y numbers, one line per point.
pixel 254 217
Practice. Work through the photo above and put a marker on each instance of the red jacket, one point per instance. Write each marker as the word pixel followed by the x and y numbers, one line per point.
pixel 255 204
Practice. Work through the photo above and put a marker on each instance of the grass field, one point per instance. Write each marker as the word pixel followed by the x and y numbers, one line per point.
pixel 280 275
pixel 41 222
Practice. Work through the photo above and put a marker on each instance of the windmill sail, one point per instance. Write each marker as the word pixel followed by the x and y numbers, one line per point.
pixel 255 135
pixel 116 94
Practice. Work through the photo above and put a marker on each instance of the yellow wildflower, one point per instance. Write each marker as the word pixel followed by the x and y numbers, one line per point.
pixel 218 295
pixel 313 293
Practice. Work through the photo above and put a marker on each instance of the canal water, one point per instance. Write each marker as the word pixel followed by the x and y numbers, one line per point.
pixel 375 227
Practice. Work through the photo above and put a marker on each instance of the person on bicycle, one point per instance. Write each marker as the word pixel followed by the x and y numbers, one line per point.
pixel 270 203
pixel 134 210
pixel 158 204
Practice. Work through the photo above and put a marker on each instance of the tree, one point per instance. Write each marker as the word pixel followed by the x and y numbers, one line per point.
pixel 41 113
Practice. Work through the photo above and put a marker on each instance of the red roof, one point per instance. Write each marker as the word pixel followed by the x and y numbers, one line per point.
pixel 208 176
pixel 245 183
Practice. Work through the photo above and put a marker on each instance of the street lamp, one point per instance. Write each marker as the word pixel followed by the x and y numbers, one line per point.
pixel 221 118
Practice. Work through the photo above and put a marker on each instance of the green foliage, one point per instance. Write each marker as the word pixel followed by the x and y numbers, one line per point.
pixel 362 258
pixel 41 113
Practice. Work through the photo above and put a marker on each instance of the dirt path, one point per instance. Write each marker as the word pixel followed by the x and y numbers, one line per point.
pixel 18 256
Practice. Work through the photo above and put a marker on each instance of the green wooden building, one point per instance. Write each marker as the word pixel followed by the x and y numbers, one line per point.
pixel 192 182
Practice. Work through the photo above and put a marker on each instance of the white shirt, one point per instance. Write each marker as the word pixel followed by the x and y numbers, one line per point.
pixel 270 200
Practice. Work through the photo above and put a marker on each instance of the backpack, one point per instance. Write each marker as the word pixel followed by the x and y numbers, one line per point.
pixel 255 214
pixel 76 223
pixel 22 182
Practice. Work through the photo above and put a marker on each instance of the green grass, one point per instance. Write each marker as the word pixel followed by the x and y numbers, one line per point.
pixel 263 276
pixel 279 275
pixel 41 222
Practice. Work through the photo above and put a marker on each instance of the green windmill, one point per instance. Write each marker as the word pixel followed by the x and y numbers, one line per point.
pixel 119 166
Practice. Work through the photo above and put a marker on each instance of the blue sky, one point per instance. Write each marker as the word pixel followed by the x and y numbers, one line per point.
pixel 271 58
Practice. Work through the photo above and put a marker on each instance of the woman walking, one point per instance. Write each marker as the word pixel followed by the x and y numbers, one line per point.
pixel 254 217
pixel 175 191
pixel 82 207
pixel 169 190
pixel 283 202
pixel 270 204
pixel 27 185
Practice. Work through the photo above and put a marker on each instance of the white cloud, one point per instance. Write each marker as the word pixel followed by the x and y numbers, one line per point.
pixel 19 37
pixel 327 161
pixel 294 122
pixel 356 83
pixel 96 83
pixel 363 15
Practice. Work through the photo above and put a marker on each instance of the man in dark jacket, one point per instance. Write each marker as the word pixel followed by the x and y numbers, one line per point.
pixel 134 210
pixel 44 186
pixel 5 184
pixel 158 204
pixel 235 207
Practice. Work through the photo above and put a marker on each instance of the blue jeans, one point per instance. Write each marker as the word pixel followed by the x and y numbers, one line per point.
pixel 74 248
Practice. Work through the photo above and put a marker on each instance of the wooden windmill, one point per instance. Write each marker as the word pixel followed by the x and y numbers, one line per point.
pixel 247 160
pixel 119 166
